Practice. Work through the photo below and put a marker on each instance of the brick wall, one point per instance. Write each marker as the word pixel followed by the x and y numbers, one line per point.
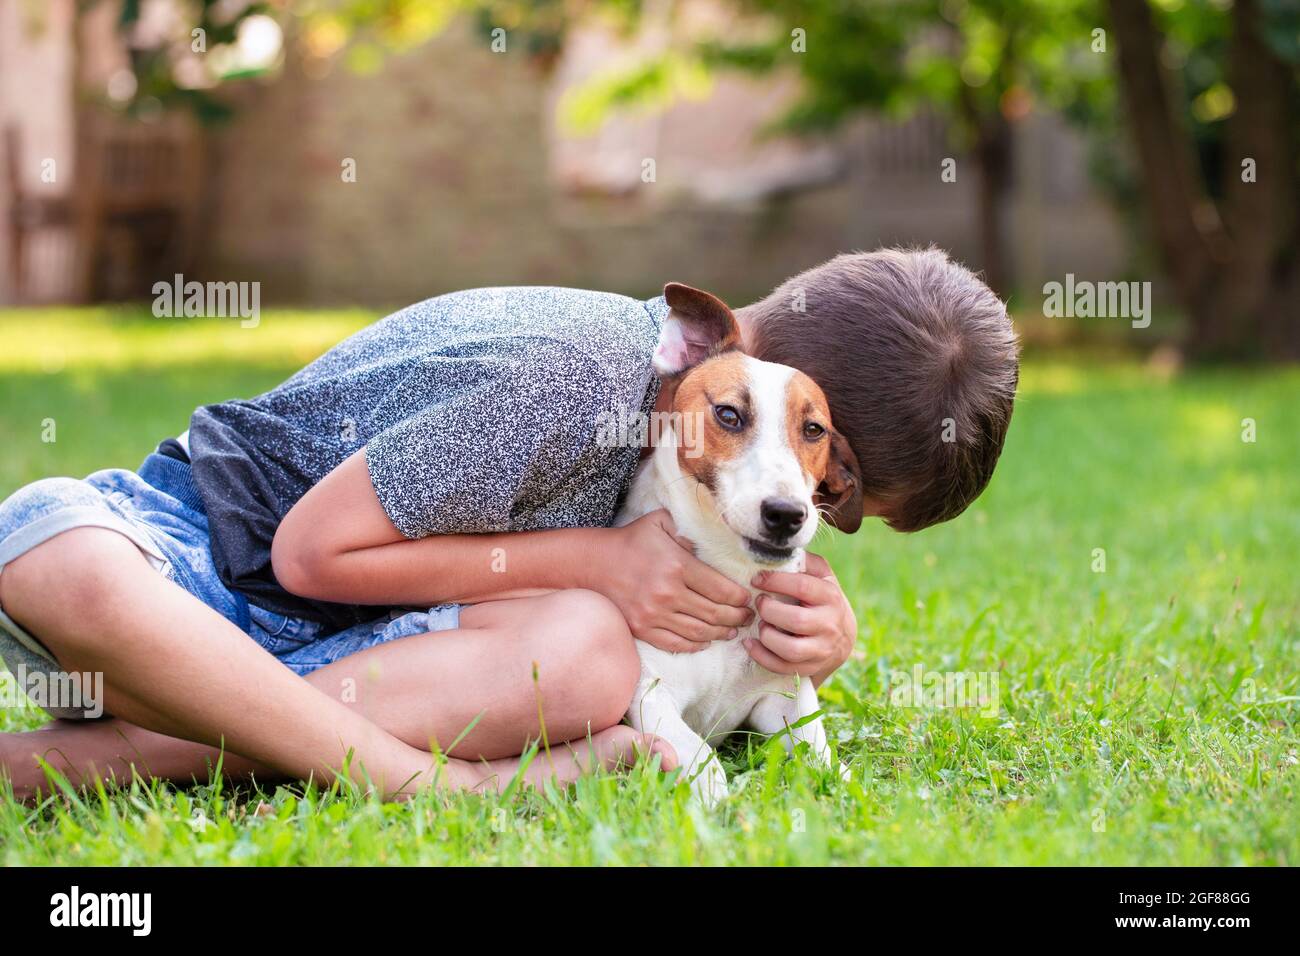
pixel 454 189
pixel 457 183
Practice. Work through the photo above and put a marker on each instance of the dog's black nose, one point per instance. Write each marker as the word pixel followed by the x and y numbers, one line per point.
pixel 782 517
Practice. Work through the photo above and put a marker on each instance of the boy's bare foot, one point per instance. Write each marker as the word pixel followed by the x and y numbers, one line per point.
pixel 616 748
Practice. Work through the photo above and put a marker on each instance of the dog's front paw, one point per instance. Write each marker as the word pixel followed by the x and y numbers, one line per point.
pixel 821 751
pixel 710 784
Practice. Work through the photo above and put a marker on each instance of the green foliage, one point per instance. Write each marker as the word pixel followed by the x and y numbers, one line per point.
pixel 156 85
pixel 959 57
pixel 1282 28
pixel 360 32
pixel 1148 715
pixel 653 84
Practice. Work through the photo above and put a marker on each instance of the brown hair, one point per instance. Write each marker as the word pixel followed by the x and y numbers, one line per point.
pixel 919 362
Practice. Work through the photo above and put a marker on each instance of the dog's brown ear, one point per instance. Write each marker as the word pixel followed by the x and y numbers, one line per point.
pixel 698 325
pixel 840 495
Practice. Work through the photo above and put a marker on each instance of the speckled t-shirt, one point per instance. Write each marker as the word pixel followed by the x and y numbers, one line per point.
pixel 479 412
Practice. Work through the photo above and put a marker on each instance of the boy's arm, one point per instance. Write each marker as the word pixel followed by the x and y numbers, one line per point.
pixel 338 544
pixel 813 637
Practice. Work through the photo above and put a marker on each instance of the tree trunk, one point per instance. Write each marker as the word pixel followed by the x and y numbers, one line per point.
pixel 1234 268
pixel 1182 217
pixel 1260 217
pixel 993 158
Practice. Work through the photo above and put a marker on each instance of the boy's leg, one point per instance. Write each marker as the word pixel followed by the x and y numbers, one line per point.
pixel 113 750
pixel 422 689
pixel 173 665
pixel 568 656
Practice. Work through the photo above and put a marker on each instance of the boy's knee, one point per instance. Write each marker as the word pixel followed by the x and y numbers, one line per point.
pixel 602 663
pixel 592 625
pixel 77 570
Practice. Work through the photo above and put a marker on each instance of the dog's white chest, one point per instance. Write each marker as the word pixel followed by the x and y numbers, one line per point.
pixel 716 688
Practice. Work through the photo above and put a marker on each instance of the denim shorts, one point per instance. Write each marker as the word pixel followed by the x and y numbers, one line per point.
pixel 160 511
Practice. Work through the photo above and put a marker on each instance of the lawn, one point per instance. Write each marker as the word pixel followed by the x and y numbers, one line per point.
pixel 1146 705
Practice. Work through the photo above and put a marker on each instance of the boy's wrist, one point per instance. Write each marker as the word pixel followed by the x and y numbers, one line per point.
pixel 596 552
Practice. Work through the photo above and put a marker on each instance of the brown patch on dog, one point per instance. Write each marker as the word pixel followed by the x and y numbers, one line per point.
pixel 721 380
pixel 806 404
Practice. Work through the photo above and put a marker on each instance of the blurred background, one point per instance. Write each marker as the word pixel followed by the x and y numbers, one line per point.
pixel 377 152
pixel 1130 573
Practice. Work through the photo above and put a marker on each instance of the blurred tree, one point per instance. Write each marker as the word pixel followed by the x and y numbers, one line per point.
pixel 1211 96
pixel 1210 89
pixel 978 63
pixel 974 61
pixel 1213 101
pixel 182 60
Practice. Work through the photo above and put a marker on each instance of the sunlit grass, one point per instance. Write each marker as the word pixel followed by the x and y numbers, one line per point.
pixel 125 339
pixel 1148 711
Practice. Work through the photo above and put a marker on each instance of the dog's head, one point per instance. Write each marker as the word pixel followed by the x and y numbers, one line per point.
pixel 762 443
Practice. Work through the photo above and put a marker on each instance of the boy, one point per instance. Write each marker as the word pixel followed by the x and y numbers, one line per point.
pixel 447 457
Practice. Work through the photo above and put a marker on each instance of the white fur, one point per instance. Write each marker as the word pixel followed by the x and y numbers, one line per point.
pixel 689 699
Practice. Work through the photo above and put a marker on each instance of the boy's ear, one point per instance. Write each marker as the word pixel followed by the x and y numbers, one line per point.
pixel 840 494
pixel 698 325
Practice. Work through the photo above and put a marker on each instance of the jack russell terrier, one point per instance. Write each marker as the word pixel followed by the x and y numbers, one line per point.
pixel 745 495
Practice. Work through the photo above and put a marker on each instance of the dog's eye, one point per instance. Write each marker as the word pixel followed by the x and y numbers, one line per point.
pixel 728 417
pixel 812 431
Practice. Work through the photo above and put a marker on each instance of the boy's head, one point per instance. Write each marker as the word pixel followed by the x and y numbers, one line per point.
pixel 919 363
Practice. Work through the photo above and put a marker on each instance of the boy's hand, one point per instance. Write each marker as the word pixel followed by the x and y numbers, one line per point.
pixel 811 638
pixel 670 598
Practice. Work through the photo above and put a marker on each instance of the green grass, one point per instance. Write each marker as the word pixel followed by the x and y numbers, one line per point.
pixel 1148 714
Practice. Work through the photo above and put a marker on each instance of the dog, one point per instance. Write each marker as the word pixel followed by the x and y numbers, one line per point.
pixel 745 493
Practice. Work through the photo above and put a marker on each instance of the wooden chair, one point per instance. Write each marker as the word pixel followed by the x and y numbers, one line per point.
pixel 29 212
pixel 132 211
pixel 138 189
